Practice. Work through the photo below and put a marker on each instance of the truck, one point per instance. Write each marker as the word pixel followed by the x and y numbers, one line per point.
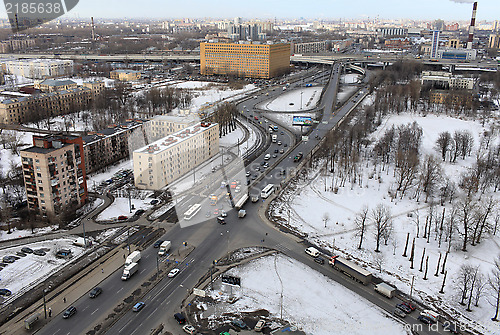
pixel 298 157
pixel 386 290
pixel 134 257
pixel 241 201
pixel 164 248
pixel 274 138
pixel 129 271
pixel 351 269
pixel 242 213
pixel 82 242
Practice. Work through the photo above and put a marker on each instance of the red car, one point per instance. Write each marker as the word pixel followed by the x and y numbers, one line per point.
pixel 256 118
pixel 409 305
pixel 122 217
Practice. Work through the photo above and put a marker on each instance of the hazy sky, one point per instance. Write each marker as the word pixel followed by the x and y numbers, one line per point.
pixel 269 9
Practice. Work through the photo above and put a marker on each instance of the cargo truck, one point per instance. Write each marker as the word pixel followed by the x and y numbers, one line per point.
pixel 134 257
pixel 351 269
pixel 129 270
pixel 434 316
pixel 386 290
pixel 164 248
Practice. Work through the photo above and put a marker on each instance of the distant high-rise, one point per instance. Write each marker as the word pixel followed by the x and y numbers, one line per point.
pixel 435 43
pixel 237 20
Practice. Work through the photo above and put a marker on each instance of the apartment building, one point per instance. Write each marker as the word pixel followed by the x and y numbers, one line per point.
pixel 494 41
pixel 164 125
pixel 445 80
pixel 244 60
pixel 310 47
pixel 125 75
pixel 54 174
pixel 166 160
pixel 10 45
pixel 61 99
pixel 107 146
pixel 38 68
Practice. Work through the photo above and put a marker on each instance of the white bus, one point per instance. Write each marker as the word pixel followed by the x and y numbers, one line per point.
pixel 266 192
pixel 191 212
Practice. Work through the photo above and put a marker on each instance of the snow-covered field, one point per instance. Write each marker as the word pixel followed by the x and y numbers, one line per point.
pixel 290 101
pixel 313 200
pixel 311 301
pixel 120 206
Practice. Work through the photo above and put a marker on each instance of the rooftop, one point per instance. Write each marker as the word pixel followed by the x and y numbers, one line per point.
pixel 175 138
pixel 98 135
pixel 55 82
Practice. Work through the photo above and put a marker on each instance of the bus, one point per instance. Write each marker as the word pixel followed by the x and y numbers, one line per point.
pixel 191 212
pixel 266 192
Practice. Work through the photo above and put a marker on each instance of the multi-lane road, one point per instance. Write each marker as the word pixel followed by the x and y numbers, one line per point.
pixel 212 241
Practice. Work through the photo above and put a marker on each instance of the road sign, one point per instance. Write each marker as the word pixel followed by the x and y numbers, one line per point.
pixel 315 121
pixel 305 138
pixel 226 279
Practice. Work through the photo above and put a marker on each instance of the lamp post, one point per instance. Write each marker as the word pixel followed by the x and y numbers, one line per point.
pixel 301 92
pixel 44 302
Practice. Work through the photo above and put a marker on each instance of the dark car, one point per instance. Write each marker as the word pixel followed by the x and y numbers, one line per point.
pixel 409 305
pixel 285 145
pixel 221 220
pixel 154 202
pixel 180 318
pixel 276 151
pixel 139 212
pixel 404 308
pixel 39 252
pixel 5 292
pixel 69 312
pixel 19 253
pixel 27 250
pixel 451 327
pixel 425 319
pixel 319 260
pixel 158 243
pixel 239 323
pixel 8 259
pixel 399 313
pixel 95 292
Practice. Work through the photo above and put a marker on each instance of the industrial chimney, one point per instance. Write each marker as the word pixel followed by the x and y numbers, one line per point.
pixel 93 29
pixel 471 27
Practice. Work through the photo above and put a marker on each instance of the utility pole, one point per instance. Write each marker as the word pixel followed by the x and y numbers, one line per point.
pixel 44 303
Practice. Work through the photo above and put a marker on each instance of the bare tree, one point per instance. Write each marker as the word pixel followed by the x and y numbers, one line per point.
pixel 494 285
pixel 360 221
pixel 465 207
pixel 473 281
pixel 443 143
pixel 464 278
pixel 430 175
pixel 378 261
pixel 381 219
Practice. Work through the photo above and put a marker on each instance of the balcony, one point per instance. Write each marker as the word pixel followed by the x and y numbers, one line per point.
pixel 54 181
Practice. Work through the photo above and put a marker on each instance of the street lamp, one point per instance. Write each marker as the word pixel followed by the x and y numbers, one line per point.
pixel 301 92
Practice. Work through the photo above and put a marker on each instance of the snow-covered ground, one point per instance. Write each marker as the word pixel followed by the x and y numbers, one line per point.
pixel 312 302
pixel 314 199
pixel 120 206
pixel 350 78
pixel 290 101
pixel 19 233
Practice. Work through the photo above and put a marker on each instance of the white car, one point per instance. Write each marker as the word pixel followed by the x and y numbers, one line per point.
pixel 223 213
pixel 189 329
pixel 173 273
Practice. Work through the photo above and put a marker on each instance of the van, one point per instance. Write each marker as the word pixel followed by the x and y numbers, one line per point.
pixel 267 157
pixel 313 252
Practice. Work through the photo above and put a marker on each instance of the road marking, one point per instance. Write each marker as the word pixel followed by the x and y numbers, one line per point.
pixel 146 256
pixel 57 331
pixel 94 311
pixel 142 270
pixel 119 290
pixel 85 308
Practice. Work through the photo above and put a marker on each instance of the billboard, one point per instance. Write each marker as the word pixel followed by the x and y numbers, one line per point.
pixel 302 121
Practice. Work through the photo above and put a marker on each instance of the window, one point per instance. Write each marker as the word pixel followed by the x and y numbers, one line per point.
pixel 39 175
pixel 41 195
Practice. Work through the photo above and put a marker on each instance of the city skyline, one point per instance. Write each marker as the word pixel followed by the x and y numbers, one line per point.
pixel 455 10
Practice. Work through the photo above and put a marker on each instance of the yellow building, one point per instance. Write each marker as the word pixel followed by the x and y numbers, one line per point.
pixel 125 75
pixel 244 60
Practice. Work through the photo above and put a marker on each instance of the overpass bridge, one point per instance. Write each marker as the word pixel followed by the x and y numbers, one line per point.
pixel 380 60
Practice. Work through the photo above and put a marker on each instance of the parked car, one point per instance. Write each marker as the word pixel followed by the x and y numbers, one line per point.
pixel 69 312
pixel 280 143
pixel 39 252
pixel 20 253
pixel 276 151
pixel 95 292
pixel 8 259
pixel 180 318
pixel 157 243
pixel 274 155
pixel 239 323
pixel 139 212
pixel 154 202
pixel 404 308
pixel 173 273
pixel 260 325
pixel 5 292
pixel 122 217
pixel 27 250
pixel 223 213
pixel 189 329
pixel 137 307
pixel 451 327
pixel 399 313
pixel 282 151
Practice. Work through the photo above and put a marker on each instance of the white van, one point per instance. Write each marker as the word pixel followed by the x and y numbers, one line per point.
pixel 267 157
pixel 311 251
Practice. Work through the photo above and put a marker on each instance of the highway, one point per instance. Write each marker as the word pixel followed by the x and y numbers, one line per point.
pixel 212 241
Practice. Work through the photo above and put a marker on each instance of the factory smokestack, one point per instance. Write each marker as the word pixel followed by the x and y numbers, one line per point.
pixel 472 25
pixel 93 29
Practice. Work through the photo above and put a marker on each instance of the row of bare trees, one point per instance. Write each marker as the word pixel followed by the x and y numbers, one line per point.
pixel 225 115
